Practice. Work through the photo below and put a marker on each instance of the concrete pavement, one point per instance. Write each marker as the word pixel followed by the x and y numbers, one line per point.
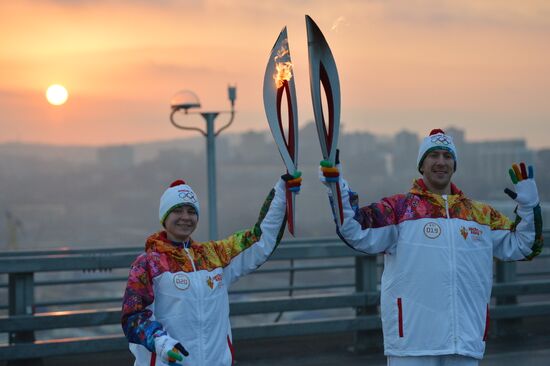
pixel 530 348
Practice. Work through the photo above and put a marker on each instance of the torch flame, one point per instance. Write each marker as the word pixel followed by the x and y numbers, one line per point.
pixel 284 68
pixel 284 72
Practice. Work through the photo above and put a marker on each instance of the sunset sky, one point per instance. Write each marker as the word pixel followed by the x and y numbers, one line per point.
pixel 479 65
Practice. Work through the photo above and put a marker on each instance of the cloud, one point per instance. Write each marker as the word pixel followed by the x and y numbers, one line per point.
pixel 156 3
pixel 534 14
pixel 338 23
pixel 167 69
pixel 10 94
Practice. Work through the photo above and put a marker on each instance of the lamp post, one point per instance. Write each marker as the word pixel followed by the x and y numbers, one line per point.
pixel 186 100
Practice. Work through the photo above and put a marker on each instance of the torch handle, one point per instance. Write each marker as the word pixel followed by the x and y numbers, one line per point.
pixel 337 203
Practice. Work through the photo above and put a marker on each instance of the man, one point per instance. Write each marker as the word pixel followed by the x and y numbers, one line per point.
pixel 175 307
pixel 438 246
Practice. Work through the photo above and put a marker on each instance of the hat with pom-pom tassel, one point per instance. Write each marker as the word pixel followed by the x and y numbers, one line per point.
pixel 178 194
pixel 437 140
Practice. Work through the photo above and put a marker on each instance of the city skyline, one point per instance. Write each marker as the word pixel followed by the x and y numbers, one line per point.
pixel 86 196
pixel 482 67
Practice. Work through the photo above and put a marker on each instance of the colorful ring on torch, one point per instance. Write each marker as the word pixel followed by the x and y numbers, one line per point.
pixel 297 174
pixel 294 182
pixel 326 164
pixel 331 175
pixel 332 179
pixel 330 170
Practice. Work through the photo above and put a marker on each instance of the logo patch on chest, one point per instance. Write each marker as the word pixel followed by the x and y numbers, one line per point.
pixel 182 281
pixel 216 278
pixel 464 232
pixel 432 230
pixel 473 232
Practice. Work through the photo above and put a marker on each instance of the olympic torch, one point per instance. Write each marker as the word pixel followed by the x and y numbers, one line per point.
pixel 278 82
pixel 322 70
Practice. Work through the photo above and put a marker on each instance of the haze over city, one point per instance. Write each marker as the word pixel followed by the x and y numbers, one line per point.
pixel 87 148
pixel 415 65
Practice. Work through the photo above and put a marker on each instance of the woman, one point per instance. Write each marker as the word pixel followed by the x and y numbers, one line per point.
pixel 176 305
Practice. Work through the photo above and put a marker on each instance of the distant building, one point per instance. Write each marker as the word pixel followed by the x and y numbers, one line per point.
pixel 404 153
pixel 255 147
pixel 116 157
pixel 359 143
pixel 542 173
pixel 492 159
pixel 458 137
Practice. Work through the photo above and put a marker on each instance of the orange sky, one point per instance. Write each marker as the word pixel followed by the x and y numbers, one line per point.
pixel 482 66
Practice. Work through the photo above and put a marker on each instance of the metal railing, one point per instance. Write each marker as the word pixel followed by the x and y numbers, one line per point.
pixel 339 293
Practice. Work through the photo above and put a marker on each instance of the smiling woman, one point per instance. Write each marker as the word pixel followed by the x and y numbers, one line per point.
pixel 57 94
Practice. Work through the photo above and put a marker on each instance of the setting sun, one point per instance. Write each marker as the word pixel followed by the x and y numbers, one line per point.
pixel 57 94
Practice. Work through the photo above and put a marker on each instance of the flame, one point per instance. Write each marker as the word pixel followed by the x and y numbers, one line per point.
pixel 284 68
pixel 284 72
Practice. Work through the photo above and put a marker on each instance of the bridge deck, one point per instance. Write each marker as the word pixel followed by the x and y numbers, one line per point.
pixel 532 347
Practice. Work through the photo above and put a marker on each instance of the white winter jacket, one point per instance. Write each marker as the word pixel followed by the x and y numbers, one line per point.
pixel 438 264
pixel 183 291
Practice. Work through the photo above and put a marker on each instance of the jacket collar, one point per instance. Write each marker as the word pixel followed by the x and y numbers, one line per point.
pixel 159 242
pixel 419 188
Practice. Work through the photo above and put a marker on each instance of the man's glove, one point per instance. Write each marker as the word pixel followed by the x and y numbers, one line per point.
pixel 328 173
pixel 293 182
pixel 526 194
pixel 168 349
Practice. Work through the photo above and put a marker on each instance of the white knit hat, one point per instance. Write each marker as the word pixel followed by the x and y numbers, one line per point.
pixel 437 140
pixel 178 194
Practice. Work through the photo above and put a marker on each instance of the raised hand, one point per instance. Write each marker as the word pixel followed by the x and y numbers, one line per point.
pixel 293 182
pixel 169 350
pixel 330 176
pixel 526 193
pixel 328 173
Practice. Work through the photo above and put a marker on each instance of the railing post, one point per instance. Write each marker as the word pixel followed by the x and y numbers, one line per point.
pixel 505 272
pixel 366 280
pixel 21 302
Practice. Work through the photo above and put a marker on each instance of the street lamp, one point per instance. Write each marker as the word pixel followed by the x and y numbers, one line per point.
pixel 186 100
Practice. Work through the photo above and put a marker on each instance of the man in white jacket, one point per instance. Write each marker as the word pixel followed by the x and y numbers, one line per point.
pixel 439 247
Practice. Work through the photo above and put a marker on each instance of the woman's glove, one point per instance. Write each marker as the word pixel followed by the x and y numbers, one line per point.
pixel 169 350
pixel 293 183
pixel 526 194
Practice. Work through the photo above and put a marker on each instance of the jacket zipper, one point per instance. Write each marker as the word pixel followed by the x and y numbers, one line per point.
pixel 199 293
pixel 453 272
